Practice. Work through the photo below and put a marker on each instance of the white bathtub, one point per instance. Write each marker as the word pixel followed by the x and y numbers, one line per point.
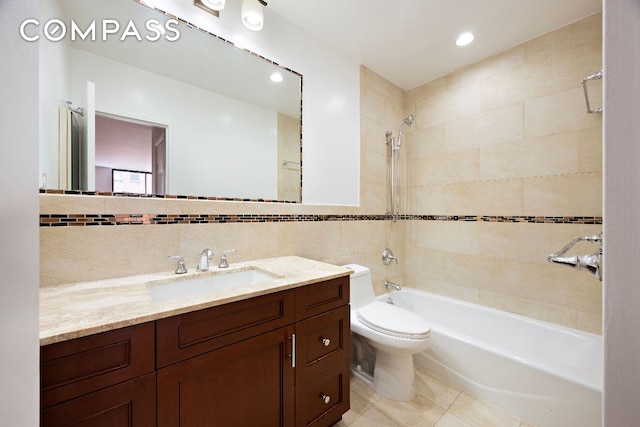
pixel 543 373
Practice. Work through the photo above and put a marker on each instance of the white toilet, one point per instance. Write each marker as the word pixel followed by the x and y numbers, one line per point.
pixel 384 339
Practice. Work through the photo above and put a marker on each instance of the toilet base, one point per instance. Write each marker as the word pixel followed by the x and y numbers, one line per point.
pixel 393 377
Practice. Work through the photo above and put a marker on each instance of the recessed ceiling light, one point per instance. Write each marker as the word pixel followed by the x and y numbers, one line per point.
pixel 464 39
pixel 276 77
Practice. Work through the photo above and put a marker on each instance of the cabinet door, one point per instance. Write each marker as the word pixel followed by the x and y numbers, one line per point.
pixel 322 368
pixel 250 383
pixel 129 404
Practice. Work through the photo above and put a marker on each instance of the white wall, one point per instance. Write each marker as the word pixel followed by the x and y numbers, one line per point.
pixel 19 382
pixel 54 91
pixel 622 204
pixel 232 144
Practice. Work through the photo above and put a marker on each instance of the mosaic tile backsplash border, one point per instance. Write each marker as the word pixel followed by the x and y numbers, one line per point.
pixel 69 220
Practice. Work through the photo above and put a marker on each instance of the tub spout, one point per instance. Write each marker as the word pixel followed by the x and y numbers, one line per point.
pixel 590 263
pixel 390 285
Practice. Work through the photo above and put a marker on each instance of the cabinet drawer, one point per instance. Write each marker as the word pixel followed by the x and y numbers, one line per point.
pixel 322 401
pixel 320 297
pixel 73 368
pixel 132 403
pixel 322 342
pixel 191 334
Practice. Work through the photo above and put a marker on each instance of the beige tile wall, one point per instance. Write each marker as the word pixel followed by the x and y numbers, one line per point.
pixel 486 142
pixel 72 254
pixel 509 136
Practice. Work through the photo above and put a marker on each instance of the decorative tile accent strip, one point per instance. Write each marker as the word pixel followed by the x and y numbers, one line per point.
pixel 159 196
pixel 62 220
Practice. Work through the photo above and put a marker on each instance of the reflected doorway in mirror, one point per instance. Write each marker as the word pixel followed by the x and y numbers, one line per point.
pixel 133 146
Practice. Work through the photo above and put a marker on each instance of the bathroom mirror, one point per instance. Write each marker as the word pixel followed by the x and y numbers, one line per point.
pixel 231 131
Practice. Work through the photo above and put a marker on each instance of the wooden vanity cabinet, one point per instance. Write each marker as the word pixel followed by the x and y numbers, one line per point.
pixel 228 365
pixel 280 359
pixel 107 379
pixel 276 360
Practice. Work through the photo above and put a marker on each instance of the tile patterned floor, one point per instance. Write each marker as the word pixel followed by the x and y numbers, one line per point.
pixel 436 405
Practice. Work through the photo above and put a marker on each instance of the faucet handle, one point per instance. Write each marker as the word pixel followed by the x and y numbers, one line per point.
pixel 181 268
pixel 223 258
pixel 387 257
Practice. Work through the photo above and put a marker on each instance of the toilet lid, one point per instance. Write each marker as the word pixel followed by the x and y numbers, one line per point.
pixel 395 321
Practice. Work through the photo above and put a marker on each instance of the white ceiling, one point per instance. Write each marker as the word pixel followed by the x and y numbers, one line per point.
pixel 411 42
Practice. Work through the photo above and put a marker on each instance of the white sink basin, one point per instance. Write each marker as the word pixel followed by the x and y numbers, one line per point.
pixel 206 283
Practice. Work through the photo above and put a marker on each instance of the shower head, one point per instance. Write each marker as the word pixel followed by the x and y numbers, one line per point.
pixel 410 120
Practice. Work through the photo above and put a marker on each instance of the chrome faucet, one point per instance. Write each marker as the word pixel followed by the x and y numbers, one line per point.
pixel 205 256
pixel 590 263
pixel 390 285
pixel 223 258
pixel 181 268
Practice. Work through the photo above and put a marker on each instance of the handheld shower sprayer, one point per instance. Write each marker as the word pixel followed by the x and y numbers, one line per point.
pixel 410 121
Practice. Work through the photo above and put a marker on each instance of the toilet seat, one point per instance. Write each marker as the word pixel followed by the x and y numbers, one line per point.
pixel 395 321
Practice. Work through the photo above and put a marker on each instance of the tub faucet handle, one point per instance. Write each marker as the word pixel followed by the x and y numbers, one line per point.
pixel 181 268
pixel 387 257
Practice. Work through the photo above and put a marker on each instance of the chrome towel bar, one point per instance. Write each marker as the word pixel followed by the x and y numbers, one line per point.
pixel 583 82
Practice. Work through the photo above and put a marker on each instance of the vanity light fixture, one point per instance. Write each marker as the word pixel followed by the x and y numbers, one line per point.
pixel 464 39
pixel 210 6
pixel 214 4
pixel 251 12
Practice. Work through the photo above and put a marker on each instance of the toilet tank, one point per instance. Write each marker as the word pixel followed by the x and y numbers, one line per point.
pixel 360 286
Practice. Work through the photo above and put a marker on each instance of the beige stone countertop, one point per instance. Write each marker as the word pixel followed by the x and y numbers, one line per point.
pixel 79 309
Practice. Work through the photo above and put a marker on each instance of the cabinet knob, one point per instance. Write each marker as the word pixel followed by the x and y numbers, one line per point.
pixel 326 342
pixel 325 398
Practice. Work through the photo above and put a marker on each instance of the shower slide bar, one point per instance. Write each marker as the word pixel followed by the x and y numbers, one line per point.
pixel 583 82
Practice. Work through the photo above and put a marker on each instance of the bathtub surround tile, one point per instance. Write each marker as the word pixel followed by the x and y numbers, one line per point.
pixel 486 128
pixel 577 194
